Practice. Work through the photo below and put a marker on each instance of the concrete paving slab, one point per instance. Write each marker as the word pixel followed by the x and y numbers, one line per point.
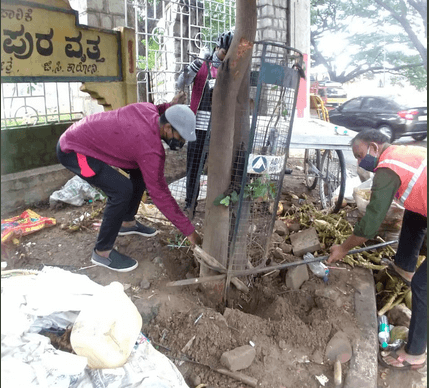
pixel 363 369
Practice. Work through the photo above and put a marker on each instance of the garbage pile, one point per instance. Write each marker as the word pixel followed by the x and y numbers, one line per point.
pixel 108 347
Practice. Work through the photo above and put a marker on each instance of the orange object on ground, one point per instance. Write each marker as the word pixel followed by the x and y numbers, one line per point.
pixel 26 223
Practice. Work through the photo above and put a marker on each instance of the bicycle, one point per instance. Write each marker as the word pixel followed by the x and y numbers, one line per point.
pixel 328 171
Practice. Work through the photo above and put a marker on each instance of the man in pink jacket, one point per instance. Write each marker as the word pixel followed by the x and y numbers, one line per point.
pixel 129 138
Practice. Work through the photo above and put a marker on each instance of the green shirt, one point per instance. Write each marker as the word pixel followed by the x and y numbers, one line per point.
pixel 384 187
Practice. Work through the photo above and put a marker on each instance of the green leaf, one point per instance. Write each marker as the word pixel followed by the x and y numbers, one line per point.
pixel 225 201
pixel 260 191
pixel 218 199
pixel 234 197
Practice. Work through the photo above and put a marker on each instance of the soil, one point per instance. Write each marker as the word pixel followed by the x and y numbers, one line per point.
pixel 289 328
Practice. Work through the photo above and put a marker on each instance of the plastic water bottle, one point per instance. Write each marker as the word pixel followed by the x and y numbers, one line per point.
pixel 318 268
pixel 383 331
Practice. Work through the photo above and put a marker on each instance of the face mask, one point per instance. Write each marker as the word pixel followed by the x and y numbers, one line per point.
pixel 174 144
pixel 369 162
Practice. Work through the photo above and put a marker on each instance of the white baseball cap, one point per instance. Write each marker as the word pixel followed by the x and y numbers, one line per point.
pixel 183 121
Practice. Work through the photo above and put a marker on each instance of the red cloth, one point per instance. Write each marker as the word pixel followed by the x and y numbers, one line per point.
pixel 199 83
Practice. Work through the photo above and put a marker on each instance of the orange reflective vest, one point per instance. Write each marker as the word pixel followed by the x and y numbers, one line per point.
pixel 410 164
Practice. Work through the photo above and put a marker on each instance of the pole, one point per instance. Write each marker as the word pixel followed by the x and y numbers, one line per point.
pixel 254 271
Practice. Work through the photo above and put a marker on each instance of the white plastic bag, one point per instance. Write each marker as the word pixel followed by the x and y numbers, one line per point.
pixel 28 359
pixel 351 183
pixel 75 192
pixel 362 195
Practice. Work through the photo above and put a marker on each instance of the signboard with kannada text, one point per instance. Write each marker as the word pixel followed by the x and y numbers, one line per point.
pixel 43 43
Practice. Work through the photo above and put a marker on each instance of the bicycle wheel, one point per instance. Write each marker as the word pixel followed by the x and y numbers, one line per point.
pixel 311 167
pixel 332 175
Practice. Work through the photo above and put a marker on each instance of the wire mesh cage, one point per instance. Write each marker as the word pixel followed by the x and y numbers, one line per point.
pixel 275 74
pixel 259 163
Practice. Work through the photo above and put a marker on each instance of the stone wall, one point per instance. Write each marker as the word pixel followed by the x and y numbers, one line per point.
pixel 285 22
pixel 23 189
pixel 106 14
pixel 27 148
pixel 272 21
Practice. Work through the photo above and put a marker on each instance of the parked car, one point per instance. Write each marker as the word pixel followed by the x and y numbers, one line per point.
pixel 390 115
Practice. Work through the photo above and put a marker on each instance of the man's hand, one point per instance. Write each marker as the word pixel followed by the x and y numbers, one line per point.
pixel 195 238
pixel 179 98
pixel 337 253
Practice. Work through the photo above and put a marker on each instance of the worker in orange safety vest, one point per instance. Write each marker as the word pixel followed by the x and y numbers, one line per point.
pixel 400 172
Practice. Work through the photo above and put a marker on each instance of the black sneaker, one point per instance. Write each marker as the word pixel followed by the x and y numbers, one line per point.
pixel 116 261
pixel 138 228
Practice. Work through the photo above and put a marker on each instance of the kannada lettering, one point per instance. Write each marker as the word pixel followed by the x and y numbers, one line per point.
pixel 46 51
pixel 20 51
pixel 48 67
pixel 76 50
pixel 7 65
pixel 81 68
pixel 21 45
pixel 96 53
pixel 18 14
pixel 69 47
pixel 71 68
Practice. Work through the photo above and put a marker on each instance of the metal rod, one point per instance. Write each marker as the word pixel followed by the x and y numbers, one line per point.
pixel 306 261
pixel 253 271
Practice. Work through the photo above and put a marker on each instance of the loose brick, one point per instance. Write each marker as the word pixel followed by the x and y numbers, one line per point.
pixel 238 358
pixel 281 228
pixel 295 276
pixel 305 241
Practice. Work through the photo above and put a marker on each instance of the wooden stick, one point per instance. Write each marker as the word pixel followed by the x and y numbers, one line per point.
pixel 186 348
pixel 235 375
pixel 388 247
pixel 211 261
pixel 240 377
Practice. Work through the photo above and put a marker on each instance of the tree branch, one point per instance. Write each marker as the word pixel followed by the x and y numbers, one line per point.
pixel 375 70
pixel 402 20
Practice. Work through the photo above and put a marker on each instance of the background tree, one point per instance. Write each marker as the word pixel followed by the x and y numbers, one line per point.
pixel 380 36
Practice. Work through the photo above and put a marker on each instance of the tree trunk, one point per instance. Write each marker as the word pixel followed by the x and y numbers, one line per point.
pixel 230 118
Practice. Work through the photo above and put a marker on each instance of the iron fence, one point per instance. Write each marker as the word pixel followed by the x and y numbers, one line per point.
pixel 34 103
pixel 169 35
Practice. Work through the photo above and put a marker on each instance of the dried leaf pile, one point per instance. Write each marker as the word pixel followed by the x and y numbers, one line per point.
pixel 334 229
pixel 85 220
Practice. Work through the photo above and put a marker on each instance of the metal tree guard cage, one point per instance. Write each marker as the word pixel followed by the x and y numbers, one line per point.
pixel 275 75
